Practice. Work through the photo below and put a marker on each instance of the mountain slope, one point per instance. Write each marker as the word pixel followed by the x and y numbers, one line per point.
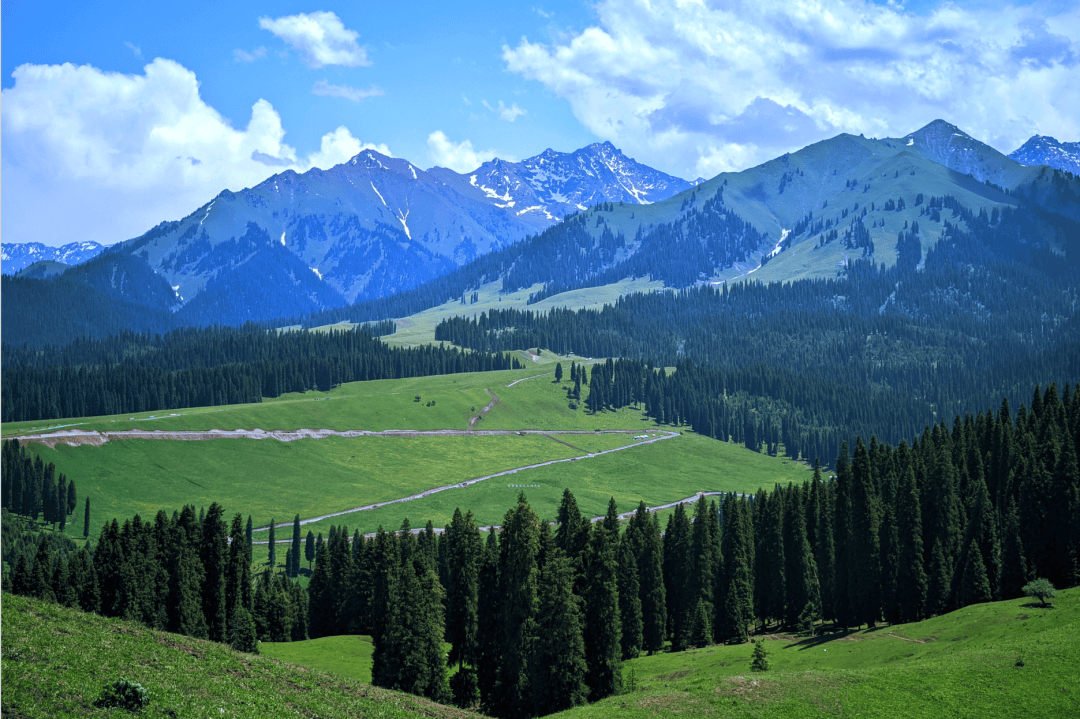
pixel 1043 150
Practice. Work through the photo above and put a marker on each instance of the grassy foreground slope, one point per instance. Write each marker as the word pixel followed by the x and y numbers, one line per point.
pixel 56 662
pixel 1003 659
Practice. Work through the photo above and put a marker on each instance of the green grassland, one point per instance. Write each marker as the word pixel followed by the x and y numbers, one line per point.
pixel 347 656
pixel 56 661
pixel 269 479
pixel 1004 659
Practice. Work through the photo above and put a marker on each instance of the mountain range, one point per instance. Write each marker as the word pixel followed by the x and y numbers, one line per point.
pixel 378 237
pixel 15 256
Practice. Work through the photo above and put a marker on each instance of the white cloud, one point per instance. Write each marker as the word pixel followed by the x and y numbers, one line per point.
pixel 244 56
pixel 458 156
pixel 698 88
pixel 105 156
pixel 320 37
pixel 135 49
pixel 507 113
pixel 355 94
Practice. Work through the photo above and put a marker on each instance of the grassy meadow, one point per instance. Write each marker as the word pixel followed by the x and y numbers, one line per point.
pixel 1003 659
pixel 269 479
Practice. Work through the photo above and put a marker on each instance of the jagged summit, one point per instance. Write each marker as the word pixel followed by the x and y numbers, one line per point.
pixel 1046 150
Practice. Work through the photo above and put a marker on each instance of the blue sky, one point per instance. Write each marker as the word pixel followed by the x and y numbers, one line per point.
pixel 118 115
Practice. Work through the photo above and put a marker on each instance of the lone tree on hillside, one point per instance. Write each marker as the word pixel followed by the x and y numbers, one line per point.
pixel 1040 589
pixel 760 660
pixel 558 372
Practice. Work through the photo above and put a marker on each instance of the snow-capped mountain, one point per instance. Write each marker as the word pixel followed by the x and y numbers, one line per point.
pixel 1043 150
pixel 554 184
pixel 371 227
pixel 953 148
pixel 15 256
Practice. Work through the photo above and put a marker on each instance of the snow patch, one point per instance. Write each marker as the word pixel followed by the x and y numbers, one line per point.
pixel 283 238
pixel 413 170
pixel 403 219
pixel 316 271
pixel 208 208
pixel 380 196
pixel 910 142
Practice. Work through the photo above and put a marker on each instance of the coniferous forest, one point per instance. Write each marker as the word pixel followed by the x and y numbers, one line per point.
pixel 541 615
pixel 135 372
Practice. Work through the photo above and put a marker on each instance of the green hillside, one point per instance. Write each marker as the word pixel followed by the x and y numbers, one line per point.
pixel 271 479
pixel 56 661
pixel 1005 659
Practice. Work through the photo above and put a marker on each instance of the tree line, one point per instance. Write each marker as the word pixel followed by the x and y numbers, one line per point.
pixel 137 372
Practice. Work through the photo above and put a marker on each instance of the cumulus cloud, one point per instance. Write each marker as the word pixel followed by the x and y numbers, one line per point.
pixel 244 56
pixel 105 156
pixel 355 94
pixel 320 38
pixel 697 88
pixel 458 156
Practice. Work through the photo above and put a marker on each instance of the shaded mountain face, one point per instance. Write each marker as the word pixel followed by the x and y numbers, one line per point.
pixel 371 227
pixel 15 256
pixel 1043 150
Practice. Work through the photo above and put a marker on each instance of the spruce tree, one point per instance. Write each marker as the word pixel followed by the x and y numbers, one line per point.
pixel 1014 570
pixel 463 550
pixel 309 548
pixel 272 560
pixel 737 611
pixel 650 564
pixel 629 600
pixel 602 633
pixel 769 582
pixel 911 579
pixel 800 573
pixel 864 555
pixel 677 574
pixel 489 610
pixel 572 529
pixel 214 554
pixel 557 666
pixel 293 568
pixel 519 544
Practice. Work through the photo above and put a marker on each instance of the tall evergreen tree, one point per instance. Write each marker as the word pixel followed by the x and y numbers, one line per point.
pixel 214 553
pixel 272 560
pixel 864 555
pixel 911 581
pixel 309 549
pixel 557 666
pixel 603 651
pixel 293 568
pixel 519 545
pixel 463 550
pixel 650 562
pixel 86 519
pixel 677 574
pixel 629 600
pixel 800 573
pixel 736 608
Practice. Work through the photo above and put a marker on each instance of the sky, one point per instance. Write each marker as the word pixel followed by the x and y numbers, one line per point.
pixel 116 116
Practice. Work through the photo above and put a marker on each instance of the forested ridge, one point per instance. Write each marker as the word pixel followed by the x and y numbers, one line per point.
pixel 135 372
pixel 540 617
pixel 808 363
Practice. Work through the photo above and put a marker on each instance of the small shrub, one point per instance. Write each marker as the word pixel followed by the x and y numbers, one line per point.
pixel 124 694
pixel 1040 589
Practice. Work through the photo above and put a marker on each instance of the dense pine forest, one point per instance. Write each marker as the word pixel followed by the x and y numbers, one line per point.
pixel 133 372
pixel 540 617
